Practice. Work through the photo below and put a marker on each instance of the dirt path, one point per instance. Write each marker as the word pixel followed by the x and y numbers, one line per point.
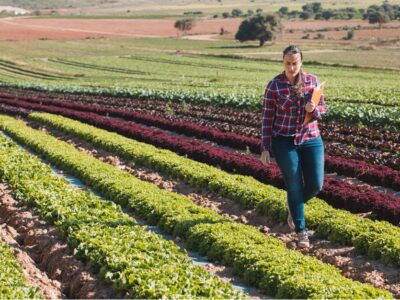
pixel 23 28
pixel 351 264
pixel 201 37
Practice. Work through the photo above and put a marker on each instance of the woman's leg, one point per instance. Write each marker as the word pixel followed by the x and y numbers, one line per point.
pixel 312 163
pixel 288 160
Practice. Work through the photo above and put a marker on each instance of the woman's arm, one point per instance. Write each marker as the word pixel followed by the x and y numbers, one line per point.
pixel 268 115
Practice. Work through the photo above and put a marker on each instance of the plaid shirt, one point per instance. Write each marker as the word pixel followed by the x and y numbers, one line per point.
pixel 284 114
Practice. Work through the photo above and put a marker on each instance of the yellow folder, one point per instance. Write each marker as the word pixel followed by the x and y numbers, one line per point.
pixel 316 97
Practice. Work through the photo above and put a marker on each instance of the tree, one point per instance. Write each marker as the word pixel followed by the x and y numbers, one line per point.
pixel 316 7
pixel 225 15
pixel 184 25
pixel 236 12
pixel 350 35
pixel 313 8
pixel 284 10
pixel 305 15
pixel 377 16
pixel 327 14
pixel 260 27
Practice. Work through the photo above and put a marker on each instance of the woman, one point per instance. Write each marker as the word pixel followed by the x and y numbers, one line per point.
pixel 298 148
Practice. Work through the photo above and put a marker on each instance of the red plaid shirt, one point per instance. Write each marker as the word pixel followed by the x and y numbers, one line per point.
pixel 284 114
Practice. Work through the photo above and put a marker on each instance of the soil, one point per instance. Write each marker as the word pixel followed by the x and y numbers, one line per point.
pixel 66 29
pixel 351 264
pixel 23 28
pixel 47 261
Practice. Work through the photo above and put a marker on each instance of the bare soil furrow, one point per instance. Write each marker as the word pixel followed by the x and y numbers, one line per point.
pixel 61 275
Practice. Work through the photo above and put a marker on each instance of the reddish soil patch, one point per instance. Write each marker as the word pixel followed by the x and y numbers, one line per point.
pixel 60 29
pixel 22 28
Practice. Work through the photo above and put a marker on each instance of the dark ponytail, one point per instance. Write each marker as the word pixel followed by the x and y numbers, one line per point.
pixel 298 87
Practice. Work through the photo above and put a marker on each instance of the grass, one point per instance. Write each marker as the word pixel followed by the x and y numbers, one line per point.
pixel 152 63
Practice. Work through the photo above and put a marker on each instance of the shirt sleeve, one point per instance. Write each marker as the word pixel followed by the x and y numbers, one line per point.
pixel 268 115
pixel 321 108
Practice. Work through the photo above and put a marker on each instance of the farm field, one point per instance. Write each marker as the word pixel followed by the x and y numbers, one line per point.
pixel 129 157
pixel 160 8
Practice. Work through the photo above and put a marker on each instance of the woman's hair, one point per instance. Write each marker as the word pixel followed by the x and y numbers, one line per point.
pixel 298 86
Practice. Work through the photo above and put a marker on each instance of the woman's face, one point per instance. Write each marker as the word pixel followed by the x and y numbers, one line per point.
pixel 292 63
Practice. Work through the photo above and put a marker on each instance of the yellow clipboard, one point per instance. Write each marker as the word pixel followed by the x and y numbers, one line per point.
pixel 315 98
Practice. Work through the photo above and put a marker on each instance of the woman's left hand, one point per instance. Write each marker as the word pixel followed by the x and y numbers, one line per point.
pixel 310 106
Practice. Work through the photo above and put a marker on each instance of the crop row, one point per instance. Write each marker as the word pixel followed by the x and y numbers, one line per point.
pixel 374 157
pixel 343 86
pixel 372 174
pixel 364 154
pixel 382 140
pixel 95 67
pixel 105 236
pixel 377 175
pixel 381 117
pixel 277 271
pixel 14 68
pixel 261 260
pixel 369 173
pixel 209 112
pixel 336 192
pixel 13 283
pixel 12 110
pixel 377 239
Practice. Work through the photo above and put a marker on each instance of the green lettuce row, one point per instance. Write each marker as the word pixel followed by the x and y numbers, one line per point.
pixel 263 260
pixel 136 261
pixel 13 283
pixel 370 115
pixel 378 239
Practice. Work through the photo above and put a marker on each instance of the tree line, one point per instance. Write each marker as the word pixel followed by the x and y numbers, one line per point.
pixel 265 27
pixel 374 13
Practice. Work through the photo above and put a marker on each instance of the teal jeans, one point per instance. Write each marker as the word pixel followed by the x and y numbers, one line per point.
pixel 302 168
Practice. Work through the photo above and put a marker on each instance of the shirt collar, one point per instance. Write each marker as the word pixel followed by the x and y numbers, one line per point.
pixel 282 78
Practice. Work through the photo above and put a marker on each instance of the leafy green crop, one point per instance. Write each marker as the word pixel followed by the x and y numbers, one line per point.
pixel 337 225
pixel 256 257
pixel 111 70
pixel 13 283
pixel 137 262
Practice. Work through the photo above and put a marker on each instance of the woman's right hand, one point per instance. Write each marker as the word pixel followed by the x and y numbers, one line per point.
pixel 265 158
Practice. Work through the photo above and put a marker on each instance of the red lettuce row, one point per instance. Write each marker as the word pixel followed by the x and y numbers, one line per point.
pixel 372 174
pixel 187 128
pixel 10 110
pixel 336 192
pixel 203 115
pixel 221 114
